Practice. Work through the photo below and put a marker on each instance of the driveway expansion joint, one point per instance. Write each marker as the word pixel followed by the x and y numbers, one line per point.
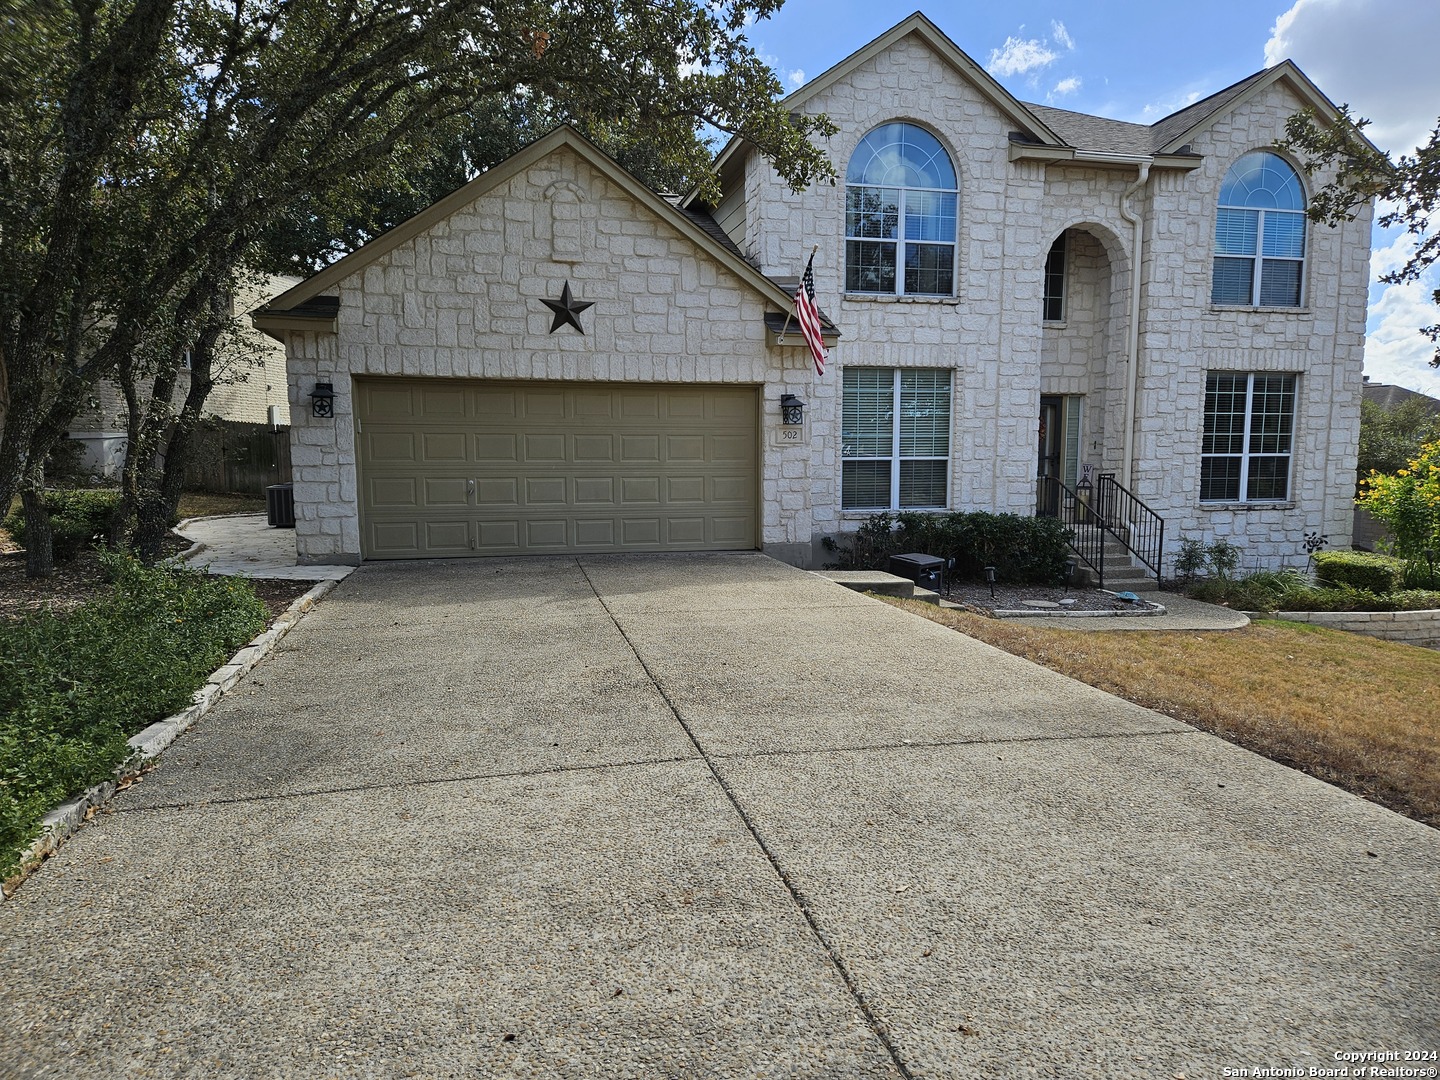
pixel 797 897
pixel 941 744
pixel 518 774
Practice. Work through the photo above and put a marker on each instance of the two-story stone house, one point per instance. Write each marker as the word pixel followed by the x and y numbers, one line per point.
pixel 556 359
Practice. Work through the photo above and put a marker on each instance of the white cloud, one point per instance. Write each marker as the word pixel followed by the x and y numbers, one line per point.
pixel 796 79
pixel 1061 36
pixel 1371 54
pixel 1395 350
pixel 1019 56
pixel 1066 87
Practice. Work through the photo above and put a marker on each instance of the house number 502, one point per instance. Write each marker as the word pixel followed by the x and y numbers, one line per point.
pixel 791 434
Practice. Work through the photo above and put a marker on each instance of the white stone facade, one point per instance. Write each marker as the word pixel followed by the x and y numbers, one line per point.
pixel 458 299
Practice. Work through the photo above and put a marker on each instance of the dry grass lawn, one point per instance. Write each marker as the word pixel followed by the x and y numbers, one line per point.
pixel 1356 712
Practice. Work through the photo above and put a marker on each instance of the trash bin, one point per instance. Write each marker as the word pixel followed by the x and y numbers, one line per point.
pixel 927 571
pixel 280 505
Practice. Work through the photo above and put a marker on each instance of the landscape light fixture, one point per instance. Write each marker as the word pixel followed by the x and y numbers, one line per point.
pixel 322 400
pixel 792 410
pixel 1429 554
pixel 990 576
pixel 1072 565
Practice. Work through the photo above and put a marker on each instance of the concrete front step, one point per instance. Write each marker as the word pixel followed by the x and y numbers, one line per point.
pixel 877 581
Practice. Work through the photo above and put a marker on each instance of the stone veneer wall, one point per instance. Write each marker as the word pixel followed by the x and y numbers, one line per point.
pixel 1410 627
pixel 990 333
pixel 462 300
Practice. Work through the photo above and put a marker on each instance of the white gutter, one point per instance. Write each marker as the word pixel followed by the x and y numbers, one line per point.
pixel 1132 351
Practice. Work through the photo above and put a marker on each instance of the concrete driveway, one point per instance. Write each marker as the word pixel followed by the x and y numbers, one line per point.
pixel 705 817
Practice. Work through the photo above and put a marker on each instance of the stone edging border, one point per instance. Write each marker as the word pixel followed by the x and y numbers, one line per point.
pixel 1418 627
pixel 149 744
pixel 1061 613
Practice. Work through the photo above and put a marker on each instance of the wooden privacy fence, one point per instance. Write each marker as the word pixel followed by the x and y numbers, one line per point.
pixel 234 456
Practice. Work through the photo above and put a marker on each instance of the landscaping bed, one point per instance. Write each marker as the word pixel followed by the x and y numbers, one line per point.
pixel 1039 598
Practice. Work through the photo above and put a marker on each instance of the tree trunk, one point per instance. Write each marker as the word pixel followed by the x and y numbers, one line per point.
pixel 39 537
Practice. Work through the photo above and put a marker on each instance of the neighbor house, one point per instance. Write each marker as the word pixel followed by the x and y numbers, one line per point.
pixel 555 359
pixel 250 386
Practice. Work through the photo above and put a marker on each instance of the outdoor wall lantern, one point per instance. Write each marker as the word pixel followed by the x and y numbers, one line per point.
pixel 322 400
pixel 990 576
pixel 792 410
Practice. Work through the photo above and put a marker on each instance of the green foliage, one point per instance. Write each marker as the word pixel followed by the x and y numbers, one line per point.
pixel 1196 558
pixel 78 518
pixel 1285 590
pixel 1391 438
pixel 1408 189
pixel 1023 550
pixel 74 688
pixel 1408 502
pixel 1416 600
pixel 1379 574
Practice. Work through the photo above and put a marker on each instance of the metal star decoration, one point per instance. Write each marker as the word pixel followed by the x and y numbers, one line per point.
pixel 567 309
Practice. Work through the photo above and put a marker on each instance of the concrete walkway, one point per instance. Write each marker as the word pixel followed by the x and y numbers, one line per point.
pixel 245 545
pixel 1181 613
pixel 705 817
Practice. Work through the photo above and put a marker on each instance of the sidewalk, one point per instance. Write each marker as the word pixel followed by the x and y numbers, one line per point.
pixel 1181 613
pixel 246 546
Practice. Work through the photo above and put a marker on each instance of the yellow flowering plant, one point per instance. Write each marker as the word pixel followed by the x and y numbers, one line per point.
pixel 1408 502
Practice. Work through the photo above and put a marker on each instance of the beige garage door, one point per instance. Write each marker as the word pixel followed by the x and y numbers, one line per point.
pixel 452 467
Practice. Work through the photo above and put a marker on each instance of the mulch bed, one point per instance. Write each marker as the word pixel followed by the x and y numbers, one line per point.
pixel 75 582
pixel 976 597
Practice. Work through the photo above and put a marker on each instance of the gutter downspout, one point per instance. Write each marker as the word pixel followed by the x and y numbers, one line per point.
pixel 1132 350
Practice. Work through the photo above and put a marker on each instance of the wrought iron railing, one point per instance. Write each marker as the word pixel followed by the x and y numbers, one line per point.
pixel 1134 524
pixel 1087 536
pixel 1107 510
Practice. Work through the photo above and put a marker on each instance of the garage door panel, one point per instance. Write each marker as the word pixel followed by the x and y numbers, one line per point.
pixel 593 448
pixel 685 489
pixel 639 489
pixel 595 534
pixel 543 490
pixel 547 535
pixel 499 491
pixel 390 447
pixel 394 492
pixel 387 403
pixel 640 532
pixel 639 448
pixel 544 448
pixel 447 403
pixel 686 530
pixel 732 489
pixel 447 536
pixel 504 534
pixel 442 446
pixel 446 491
pixel 465 467
pixel 497 448
pixel 732 448
pixel 595 490
pixel 687 448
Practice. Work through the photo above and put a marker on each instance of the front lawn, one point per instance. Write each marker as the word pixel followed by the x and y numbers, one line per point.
pixel 1359 713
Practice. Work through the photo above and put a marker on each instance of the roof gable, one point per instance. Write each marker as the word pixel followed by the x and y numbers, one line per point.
pixel 305 297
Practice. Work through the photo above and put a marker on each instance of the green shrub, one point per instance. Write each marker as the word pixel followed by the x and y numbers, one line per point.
pixel 77 518
pixel 1361 569
pixel 1416 600
pixel 1333 598
pixel 74 688
pixel 1023 550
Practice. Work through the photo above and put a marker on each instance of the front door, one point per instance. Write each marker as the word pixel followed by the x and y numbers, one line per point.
pixel 1051 440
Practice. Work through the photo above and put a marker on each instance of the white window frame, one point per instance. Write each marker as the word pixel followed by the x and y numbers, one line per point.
pixel 1258 258
pixel 900 241
pixel 1246 455
pixel 895 458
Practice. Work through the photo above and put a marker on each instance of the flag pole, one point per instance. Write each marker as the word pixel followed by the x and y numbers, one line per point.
pixel 781 339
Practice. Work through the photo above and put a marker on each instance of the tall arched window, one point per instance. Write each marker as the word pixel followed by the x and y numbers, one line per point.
pixel 900 197
pixel 1259 234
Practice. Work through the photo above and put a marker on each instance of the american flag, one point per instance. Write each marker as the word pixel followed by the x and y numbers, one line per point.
pixel 808 316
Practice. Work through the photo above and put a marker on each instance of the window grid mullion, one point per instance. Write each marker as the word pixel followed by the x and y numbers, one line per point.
pixel 895 439
pixel 1244 492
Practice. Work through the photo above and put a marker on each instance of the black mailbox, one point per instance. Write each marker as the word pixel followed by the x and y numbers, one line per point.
pixel 926 571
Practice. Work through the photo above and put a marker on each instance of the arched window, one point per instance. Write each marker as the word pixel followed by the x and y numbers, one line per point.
pixel 1259 234
pixel 900 197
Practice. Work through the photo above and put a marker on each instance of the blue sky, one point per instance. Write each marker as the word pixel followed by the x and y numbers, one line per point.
pixel 1141 61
